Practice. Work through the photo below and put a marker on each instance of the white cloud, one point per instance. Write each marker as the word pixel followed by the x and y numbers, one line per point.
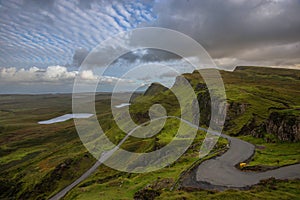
pixel 33 74
pixel 58 73
pixel 54 75
pixel 88 75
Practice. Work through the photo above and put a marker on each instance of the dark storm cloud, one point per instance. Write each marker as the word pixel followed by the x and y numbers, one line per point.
pixel 238 29
pixel 139 56
pixel 149 55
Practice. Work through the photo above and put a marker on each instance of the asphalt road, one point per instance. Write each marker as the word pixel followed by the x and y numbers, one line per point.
pixel 221 171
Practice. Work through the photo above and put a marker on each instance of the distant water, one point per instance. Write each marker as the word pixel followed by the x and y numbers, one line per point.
pixel 122 105
pixel 66 117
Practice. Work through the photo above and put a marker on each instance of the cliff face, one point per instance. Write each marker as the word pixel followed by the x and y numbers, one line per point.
pixel 205 107
pixel 234 110
pixel 284 126
pixel 246 108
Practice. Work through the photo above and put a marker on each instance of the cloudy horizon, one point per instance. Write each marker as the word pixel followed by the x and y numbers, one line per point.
pixel 44 42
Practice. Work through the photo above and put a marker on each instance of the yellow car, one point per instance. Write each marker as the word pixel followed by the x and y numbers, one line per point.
pixel 242 165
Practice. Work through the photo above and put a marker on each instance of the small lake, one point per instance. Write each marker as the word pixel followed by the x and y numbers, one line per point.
pixel 122 105
pixel 66 117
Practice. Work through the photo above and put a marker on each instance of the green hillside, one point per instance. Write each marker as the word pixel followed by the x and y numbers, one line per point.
pixel 37 161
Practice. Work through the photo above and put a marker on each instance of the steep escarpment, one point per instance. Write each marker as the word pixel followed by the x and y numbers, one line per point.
pixel 255 99
pixel 234 111
pixel 286 127
pixel 278 126
pixel 157 93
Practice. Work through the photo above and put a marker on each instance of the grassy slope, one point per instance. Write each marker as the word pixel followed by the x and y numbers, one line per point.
pixel 30 152
pixel 264 90
pixel 273 154
pixel 111 184
pixel 33 155
pixel 259 91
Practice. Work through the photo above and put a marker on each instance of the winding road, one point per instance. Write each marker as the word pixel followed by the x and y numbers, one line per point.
pixel 219 173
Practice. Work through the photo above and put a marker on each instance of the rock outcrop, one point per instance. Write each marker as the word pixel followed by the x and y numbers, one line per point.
pixel 286 127
pixel 234 110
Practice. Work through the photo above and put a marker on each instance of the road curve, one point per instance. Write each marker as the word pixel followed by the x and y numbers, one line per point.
pixel 220 171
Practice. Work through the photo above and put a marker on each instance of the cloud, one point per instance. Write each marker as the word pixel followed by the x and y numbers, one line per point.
pixel 34 74
pixel 258 31
pixel 169 74
pixel 55 33
pixel 88 75
pixel 53 74
pixel 79 56
pixel 48 33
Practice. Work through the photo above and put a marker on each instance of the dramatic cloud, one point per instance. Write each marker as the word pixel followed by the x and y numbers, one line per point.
pixel 252 32
pixel 56 36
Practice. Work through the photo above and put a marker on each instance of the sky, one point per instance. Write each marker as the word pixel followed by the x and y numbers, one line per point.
pixel 44 42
